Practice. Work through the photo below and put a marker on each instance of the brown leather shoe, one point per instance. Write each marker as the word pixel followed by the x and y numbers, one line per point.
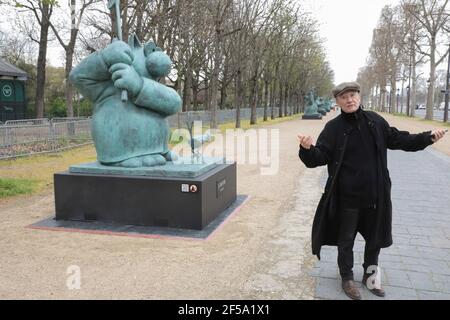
pixel 351 290
pixel 378 292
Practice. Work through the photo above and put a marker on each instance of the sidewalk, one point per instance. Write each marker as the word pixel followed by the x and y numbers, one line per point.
pixel 417 265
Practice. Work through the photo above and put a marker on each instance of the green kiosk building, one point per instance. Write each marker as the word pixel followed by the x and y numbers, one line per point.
pixel 12 92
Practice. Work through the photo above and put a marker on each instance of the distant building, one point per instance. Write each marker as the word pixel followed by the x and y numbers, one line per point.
pixel 12 92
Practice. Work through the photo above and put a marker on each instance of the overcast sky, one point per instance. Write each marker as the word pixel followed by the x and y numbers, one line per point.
pixel 347 26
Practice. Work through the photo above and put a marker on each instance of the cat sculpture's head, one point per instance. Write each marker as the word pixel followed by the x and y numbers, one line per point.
pixel 149 60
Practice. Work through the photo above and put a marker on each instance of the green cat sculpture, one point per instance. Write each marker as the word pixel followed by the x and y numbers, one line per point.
pixel 132 133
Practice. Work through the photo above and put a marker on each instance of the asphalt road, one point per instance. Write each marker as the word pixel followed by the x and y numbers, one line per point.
pixel 438 114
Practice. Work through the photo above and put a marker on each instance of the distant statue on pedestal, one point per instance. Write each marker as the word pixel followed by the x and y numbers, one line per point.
pixel 311 107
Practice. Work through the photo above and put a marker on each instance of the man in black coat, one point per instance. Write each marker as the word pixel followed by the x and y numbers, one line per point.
pixel 357 195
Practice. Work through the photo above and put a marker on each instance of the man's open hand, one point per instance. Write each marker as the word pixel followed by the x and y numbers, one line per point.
pixel 437 135
pixel 305 141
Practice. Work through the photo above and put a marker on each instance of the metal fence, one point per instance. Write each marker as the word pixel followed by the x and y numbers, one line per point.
pixel 25 138
pixel 35 136
pixel 54 120
pixel 27 122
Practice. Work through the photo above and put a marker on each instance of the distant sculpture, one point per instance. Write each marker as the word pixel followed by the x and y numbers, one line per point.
pixel 320 107
pixel 131 132
pixel 311 107
pixel 327 105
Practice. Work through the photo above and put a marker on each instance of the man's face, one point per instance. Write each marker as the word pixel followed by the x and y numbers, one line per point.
pixel 349 101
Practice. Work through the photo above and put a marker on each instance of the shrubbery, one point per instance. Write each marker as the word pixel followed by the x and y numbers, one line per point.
pixel 57 108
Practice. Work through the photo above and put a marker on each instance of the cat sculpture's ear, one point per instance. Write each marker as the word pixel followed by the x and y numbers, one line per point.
pixel 150 47
pixel 134 42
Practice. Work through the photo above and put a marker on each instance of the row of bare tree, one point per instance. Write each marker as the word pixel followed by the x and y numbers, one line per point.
pixel 226 53
pixel 411 35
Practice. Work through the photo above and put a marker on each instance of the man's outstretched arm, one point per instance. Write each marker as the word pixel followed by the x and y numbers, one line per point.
pixel 403 140
pixel 314 156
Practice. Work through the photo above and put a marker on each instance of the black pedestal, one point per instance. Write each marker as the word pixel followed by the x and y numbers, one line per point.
pixel 182 203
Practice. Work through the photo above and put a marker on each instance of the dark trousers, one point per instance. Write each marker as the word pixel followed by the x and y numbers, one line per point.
pixel 352 220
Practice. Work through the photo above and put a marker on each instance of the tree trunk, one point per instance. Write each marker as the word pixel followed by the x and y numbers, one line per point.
pixel 254 97
pixel 266 98
pixel 393 97
pixel 70 49
pixel 236 99
pixel 206 102
pixel 272 98
pixel 161 26
pixel 223 88
pixel 413 91
pixel 372 98
pixel 215 76
pixel 195 98
pixel 383 98
pixel 195 85
pixel 430 95
pixel 69 87
pixel 41 63
pixel 187 90
pixel 379 102
pixel 239 98
pixel 402 94
pixel 253 114
pixel 286 100
pixel 301 100
pixel 140 5
pixel 223 96
pixel 293 103
pixel 280 103
pixel 125 24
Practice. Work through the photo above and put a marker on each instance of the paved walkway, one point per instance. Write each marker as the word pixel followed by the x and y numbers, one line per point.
pixel 417 265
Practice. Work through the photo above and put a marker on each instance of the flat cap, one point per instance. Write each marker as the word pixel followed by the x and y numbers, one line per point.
pixel 346 86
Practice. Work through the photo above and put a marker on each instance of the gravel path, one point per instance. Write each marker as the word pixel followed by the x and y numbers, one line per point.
pixel 263 252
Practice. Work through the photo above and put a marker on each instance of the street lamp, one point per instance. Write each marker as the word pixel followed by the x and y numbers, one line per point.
pixel 398 97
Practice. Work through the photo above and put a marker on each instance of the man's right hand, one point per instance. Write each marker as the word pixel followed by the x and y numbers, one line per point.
pixel 305 141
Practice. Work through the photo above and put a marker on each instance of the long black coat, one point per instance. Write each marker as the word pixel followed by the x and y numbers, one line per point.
pixel 330 149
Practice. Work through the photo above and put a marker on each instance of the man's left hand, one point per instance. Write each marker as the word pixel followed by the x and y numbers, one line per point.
pixel 437 135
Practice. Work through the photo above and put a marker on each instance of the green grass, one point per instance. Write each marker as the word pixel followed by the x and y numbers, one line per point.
pixel 398 114
pixel 13 187
pixel 435 122
pixel 245 124
pixel 34 174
